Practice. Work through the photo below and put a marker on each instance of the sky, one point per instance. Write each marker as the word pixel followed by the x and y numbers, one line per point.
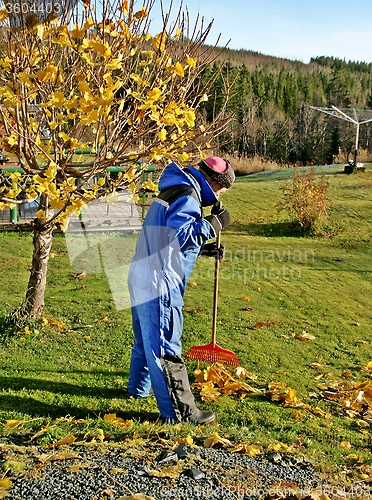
pixel 291 29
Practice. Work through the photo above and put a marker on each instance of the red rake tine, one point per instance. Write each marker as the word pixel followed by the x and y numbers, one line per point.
pixel 212 353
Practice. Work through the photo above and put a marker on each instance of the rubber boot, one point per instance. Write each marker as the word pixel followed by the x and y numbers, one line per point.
pixel 179 390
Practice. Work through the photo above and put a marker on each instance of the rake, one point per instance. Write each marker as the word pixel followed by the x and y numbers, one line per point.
pixel 213 353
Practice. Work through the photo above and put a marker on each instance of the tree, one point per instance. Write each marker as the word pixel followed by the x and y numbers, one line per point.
pixel 95 76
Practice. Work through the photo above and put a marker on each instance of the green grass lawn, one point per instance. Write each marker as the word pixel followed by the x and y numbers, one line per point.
pixel 65 377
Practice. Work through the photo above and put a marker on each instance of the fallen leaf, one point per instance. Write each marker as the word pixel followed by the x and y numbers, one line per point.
pixel 277 391
pixel 297 415
pixel 117 421
pixel 209 393
pixel 13 465
pixel 367 368
pixel 315 366
pixel 5 483
pixel 79 466
pixel 246 298
pixel 79 275
pixel 109 492
pixel 216 439
pixel 242 373
pixel 346 445
pixel 187 440
pixel 171 472
pixel 249 449
pixel 12 424
pixel 100 435
pixel 279 447
pixel 118 470
pixel 306 336
pixel 260 324
pixel 58 324
pixel 69 439
pixel 52 457
pixel 193 310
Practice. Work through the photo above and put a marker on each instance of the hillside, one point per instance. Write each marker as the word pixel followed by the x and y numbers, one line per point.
pixel 271 103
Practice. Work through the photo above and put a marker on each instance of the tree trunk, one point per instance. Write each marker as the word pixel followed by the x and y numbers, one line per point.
pixel 43 238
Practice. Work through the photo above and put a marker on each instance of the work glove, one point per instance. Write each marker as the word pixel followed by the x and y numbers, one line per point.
pixel 219 217
pixel 211 250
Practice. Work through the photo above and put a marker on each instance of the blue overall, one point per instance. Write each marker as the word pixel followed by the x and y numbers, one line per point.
pixel 166 251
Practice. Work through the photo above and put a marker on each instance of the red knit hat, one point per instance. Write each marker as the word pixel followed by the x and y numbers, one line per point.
pixel 219 170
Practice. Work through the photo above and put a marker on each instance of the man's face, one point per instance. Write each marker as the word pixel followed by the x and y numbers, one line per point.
pixel 217 189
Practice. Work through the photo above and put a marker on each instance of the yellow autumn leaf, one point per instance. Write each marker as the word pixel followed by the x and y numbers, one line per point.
pixel 346 445
pixel 215 439
pixel 191 62
pixel 40 31
pixel 249 449
pixel 200 375
pixel 159 42
pixel 183 156
pixel 306 336
pixel 209 393
pixel 141 14
pixel 54 322
pixel 367 368
pixel 278 447
pixel 242 373
pixel 162 134
pixel 5 483
pixel 3 15
pixel 172 472
pixel 13 423
pixel 118 470
pixel 13 139
pixel 114 64
pixel 246 298
pixel 57 99
pixel 117 421
pixel 154 94
pixel 79 466
pixel 187 440
pixel 177 69
pixel 109 417
pixel 100 434
pixel 68 439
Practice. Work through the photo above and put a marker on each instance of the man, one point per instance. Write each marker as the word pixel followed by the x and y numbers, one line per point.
pixel 173 235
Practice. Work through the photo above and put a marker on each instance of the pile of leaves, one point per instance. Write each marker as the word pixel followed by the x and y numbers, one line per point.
pixel 354 398
pixel 217 380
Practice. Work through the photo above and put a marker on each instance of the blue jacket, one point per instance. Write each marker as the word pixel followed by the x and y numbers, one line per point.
pixel 170 240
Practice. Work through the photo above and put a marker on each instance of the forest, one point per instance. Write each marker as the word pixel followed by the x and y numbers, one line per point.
pixel 271 101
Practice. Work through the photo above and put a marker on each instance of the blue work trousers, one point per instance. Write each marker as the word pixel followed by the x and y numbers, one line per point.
pixel 157 327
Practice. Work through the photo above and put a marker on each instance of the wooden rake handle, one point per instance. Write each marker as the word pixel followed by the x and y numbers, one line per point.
pixel 215 290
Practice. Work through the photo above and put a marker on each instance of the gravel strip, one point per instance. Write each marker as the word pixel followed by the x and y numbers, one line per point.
pixel 110 473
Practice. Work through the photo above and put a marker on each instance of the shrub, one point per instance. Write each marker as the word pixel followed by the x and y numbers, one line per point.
pixel 306 201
